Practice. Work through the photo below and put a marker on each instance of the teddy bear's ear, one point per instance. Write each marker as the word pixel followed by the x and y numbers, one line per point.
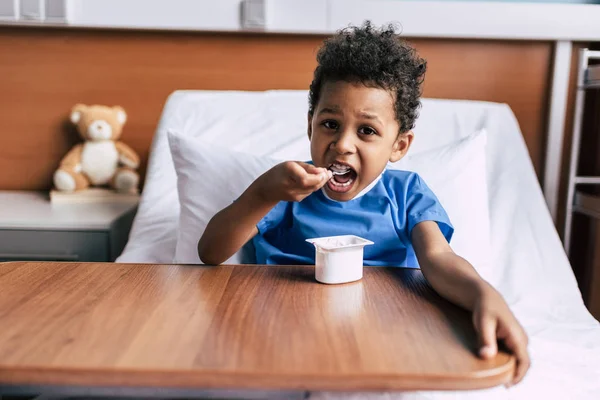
pixel 76 112
pixel 121 114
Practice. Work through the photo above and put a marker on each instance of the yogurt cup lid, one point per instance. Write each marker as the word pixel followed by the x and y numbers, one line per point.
pixel 333 243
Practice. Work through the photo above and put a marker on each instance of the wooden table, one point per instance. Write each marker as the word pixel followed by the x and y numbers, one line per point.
pixel 194 329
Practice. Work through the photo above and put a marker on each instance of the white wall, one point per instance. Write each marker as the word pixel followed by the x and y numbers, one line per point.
pixel 499 20
pixel 220 15
pixel 459 19
pixel 304 16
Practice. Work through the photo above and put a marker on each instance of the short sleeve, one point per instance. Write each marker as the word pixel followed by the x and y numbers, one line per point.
pixel 423 205
pixel 273 218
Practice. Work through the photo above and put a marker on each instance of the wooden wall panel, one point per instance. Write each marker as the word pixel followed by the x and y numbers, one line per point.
pixel 43 72
pixel 48 71
pixel 516 73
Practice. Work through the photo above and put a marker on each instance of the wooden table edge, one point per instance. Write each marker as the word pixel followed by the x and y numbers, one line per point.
pixel 203 379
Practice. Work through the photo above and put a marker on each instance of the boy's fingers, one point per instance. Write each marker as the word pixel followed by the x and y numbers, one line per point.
pixel 486 329
pixel 308 176
pixel 307 190
pixel 316 183
pixel 300 177
pixel 310 168
pixel 517 344
pixel 325 177
pixel 523 364
pixel 312 182
pixel 297 170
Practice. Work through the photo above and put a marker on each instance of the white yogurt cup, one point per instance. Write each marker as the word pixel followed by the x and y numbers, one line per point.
pixel 339 259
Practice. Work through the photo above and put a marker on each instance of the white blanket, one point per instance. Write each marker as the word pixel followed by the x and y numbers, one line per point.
pixel 530 267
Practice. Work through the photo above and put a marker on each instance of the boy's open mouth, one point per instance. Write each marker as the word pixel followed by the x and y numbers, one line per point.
pixel 343 178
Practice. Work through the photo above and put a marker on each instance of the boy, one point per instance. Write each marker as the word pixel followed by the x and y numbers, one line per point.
pixel 363 103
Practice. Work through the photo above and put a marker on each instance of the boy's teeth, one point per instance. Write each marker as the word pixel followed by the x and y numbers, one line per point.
pixel 339 168
pixel 340 172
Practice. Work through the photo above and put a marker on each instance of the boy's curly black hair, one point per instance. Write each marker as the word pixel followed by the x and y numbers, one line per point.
pixel 373 57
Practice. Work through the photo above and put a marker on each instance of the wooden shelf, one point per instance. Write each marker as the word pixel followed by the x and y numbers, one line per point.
pixel 583 197
pixel 587 180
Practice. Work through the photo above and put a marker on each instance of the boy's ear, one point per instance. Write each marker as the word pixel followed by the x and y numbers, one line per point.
pixel 309 129
pixel 401 146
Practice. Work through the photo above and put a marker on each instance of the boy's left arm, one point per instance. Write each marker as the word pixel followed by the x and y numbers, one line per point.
pixel 453 278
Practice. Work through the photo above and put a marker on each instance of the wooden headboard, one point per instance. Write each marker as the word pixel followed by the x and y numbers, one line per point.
pixel 45 71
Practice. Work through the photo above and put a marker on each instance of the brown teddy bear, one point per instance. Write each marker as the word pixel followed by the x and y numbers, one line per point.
pixel 101 159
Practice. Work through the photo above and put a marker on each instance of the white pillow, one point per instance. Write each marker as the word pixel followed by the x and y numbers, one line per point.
pixel 456 173
pixel 210 177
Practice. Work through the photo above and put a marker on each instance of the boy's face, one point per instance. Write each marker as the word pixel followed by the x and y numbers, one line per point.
pixel 354 133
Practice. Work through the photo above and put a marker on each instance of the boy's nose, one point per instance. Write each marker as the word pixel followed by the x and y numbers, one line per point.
pixel 344 143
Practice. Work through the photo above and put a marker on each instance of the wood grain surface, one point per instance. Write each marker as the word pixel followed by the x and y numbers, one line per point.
pixel 242 327
pixel 47 71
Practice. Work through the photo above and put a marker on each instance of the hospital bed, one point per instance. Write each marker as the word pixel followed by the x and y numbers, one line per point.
pixel 526 261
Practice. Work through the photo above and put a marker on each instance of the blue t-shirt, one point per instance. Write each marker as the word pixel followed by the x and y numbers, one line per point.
pixel 386 215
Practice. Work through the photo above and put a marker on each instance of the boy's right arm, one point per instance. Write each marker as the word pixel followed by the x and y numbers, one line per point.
pixel 233 226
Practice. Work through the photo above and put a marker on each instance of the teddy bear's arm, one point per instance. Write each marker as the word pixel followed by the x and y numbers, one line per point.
pixel 73 157
pixel 127 156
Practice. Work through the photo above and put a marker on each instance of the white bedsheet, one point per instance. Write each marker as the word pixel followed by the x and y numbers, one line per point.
pixel 530 267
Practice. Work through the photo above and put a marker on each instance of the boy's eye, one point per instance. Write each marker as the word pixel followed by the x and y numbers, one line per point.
pixel 329 124
pixel 365 130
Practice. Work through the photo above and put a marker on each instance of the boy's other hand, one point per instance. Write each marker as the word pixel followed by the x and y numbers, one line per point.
pixel 292 181
pixel 494 321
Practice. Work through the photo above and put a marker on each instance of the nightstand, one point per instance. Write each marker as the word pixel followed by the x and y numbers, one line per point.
pixel 32 228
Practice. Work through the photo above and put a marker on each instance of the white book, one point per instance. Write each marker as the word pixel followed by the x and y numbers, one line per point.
pixel 93 195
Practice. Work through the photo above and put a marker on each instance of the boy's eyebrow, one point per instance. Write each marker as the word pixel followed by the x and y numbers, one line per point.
pixel 330 110
pixel 363 114
pixel 366 115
